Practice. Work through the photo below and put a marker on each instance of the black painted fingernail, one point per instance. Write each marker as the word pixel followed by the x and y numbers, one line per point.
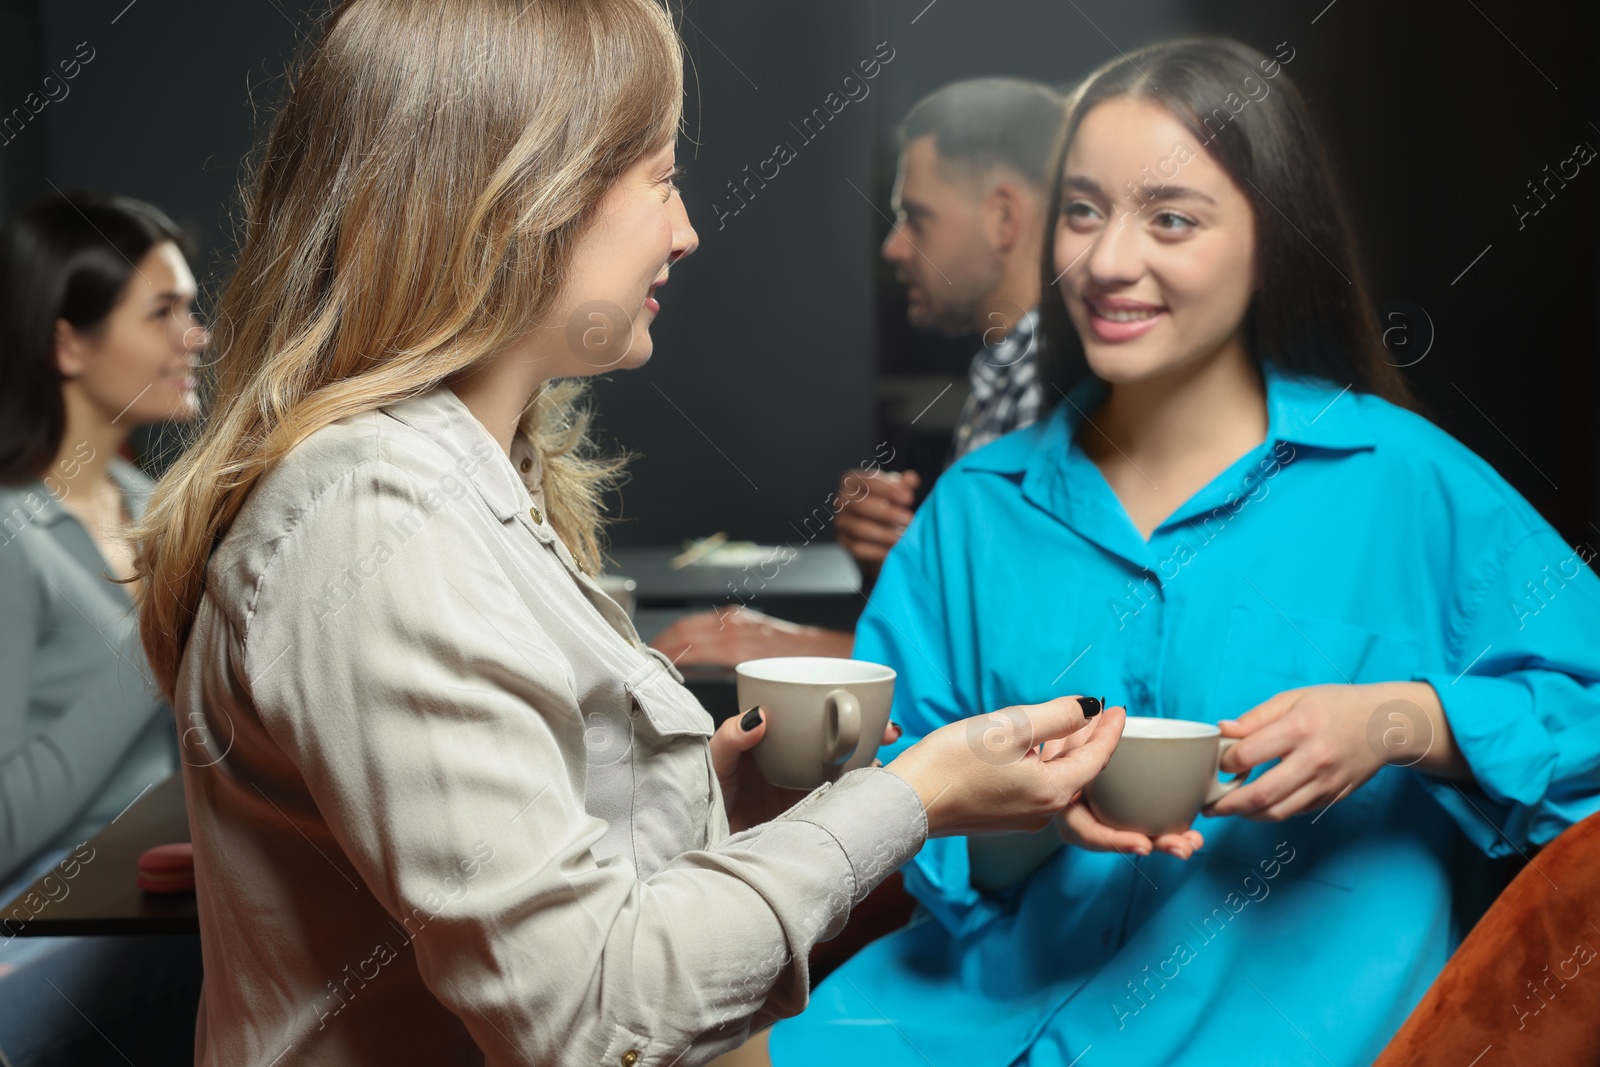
pixel 1091 706
pixel 751 720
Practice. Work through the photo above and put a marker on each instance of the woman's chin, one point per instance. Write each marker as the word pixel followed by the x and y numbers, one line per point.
pixel 638 355
pixel 1124 367
pixel 643 345
pixel 185 409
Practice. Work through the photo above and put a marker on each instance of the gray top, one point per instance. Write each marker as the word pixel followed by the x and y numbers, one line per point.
pixel 82 731
pixel 447 808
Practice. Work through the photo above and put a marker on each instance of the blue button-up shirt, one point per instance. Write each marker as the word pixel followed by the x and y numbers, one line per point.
pixel 1357 544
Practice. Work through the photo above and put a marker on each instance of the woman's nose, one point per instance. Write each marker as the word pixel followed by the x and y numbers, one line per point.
pixel 684 238
pixel 196 337
pixel 1116 256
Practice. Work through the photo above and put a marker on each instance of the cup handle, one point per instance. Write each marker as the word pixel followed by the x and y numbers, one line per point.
pixel 844 727
pixel 1219 787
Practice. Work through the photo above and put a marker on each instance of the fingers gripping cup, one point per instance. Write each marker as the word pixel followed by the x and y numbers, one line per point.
pixel 824 716
pixel 1162 773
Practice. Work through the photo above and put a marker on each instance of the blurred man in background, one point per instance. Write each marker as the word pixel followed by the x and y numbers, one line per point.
pixel 970 199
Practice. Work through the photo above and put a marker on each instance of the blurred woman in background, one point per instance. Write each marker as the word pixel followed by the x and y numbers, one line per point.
pixel 97 336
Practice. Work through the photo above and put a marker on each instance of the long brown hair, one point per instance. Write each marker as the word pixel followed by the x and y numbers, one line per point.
pixel 1312 315
pixel 415 209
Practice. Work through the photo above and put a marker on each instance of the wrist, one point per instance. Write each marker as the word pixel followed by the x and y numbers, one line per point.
pixel 1410 718
pixel 909 768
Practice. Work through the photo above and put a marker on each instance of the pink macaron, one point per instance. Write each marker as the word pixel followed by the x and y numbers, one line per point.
pixel 167 869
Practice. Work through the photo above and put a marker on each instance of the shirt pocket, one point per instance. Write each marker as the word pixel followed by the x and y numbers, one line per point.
pixel 673 779
pixel 1267 651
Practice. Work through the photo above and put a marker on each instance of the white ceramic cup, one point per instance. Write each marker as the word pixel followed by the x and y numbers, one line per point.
pixel 1162 773
pixel 824 716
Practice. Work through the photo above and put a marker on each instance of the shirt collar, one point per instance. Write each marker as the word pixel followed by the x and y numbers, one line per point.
pixel 445 419
pixel 1315 413
pixel 1058 477
pixel 1301 411
pixel 129 480
pixel 49 509
pixel 136 487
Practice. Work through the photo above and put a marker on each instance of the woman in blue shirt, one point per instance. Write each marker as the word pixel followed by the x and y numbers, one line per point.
pixel 1234 519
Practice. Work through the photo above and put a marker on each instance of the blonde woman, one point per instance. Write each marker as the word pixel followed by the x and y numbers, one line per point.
pixel 446 807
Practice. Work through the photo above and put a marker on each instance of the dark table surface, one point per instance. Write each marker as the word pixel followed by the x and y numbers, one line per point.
pixel 818 584
pixel 816 570
pixel 101 897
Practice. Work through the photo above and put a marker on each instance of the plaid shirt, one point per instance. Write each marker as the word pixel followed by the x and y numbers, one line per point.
pixel 1005 390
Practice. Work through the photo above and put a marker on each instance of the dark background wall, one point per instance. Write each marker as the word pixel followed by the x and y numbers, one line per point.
pixel 165 110
pixel 761 389
pixel 782 354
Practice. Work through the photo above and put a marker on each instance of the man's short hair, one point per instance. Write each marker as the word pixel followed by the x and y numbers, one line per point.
pixel 988 122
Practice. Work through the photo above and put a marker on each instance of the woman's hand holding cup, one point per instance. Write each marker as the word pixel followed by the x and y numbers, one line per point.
pixel 1010 770
pixel 1077 826
pixel 750 798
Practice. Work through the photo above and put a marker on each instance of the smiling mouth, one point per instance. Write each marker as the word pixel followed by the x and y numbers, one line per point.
pixel 1125 314
pixel 1119 319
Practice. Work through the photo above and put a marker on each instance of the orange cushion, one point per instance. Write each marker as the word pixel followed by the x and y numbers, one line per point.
pixel 1526 981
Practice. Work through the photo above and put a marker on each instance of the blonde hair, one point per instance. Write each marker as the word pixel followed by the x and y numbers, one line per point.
pixel 414 212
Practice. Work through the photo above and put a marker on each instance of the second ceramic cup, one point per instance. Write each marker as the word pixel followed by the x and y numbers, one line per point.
pixel 824 716
pixel 1162 773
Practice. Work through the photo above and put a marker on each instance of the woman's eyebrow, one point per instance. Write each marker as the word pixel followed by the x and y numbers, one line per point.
pixel 1178 192
pixel 1147 193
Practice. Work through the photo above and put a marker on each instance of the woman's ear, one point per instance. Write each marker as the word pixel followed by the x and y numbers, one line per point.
pixel 69 350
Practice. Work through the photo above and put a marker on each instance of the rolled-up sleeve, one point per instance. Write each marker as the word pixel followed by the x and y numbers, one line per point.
pixel 433 721
pixel 1523 697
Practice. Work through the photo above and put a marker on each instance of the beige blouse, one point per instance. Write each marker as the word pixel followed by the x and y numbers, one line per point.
pixel 448 809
